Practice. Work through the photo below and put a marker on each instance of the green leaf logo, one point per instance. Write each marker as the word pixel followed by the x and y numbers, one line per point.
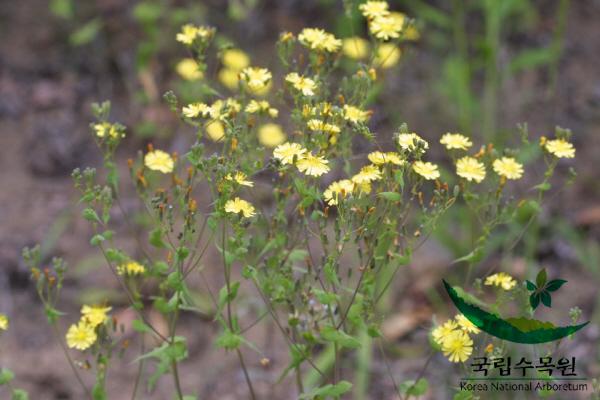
pixel 542 288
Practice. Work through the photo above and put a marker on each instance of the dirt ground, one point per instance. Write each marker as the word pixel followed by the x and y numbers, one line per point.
pixel 46 88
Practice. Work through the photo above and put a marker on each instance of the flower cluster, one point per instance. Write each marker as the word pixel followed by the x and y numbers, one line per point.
pixel 453 338
pixel 83 334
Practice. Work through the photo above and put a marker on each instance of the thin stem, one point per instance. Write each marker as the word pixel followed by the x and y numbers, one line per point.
pixel 70 360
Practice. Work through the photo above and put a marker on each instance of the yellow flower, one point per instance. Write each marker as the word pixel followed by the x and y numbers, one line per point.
pixel 240 178
pixel 312 165
pixel 399 17
pixel 470 169
pixel 410 141
pixel 287 151
pixel 560 148
pixel 215 130
pixel 426 169
pixel 235 59
pixel 106 129
pixel 466 325
pixel 318 125
pixel 94 315
pixel 374 9
pixel 379 158
pixel 271 135
pixel 508 167
pixel 229 78
pixel 411 33
pixel 355 114
pixel 387 56
pixel 457 346
pixel 131 268
pixel 367 174
pixel 256 106
pixel 441 332
pixel 456 141
pixel 189 33
pixel 501 279
pixel 338 190
pixel 194 110
pixel 305 85
pixel 256 78
pixel 3 322
pixel 81 336
pixel 188 69
pixel 355 47
pixel 238 205
pixel 318 39
pixel 385 27
pixel 159 160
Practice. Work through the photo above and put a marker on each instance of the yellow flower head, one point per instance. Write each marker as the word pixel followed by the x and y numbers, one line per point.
pixel 106 129
pixel 158 160
pixel 374 9
pixel 215 130
pixel 81 336
pixel 188 69
pixel 189 33
pixel 287 151
pixel 312 165
pixel 131 268
pixel 271 135
pixel 387 56
pixel 235 59
pixel 410 141
pixel 560 148
pixel 355 114
pixel 427 170
pixel 195 110
pixel 238 205
pixel 501 279
pixel 457 346
pixel 508 167
pixel 337 191
pixel 367 174
pixel 318 39
pixel 260 106
pixel 470 169
pixel 3 322
pixel 241 178
pixel 385 27
pixel 304 85
pixel 380 158
pixel 466 325
pixel 441 332
pixel 456 141
pixel 229 78
pixel 319 125
pixel 256 78
pixel 355 47
pixel 94 315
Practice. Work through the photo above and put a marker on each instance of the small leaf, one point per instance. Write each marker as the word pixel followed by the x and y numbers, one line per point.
pixel 530 285
pixel 413 388
pixel 6 375
pixel 541 278
pixel 554 285
pixel 546 299
pixel 391 196
pixel 328 391
pixel 534 300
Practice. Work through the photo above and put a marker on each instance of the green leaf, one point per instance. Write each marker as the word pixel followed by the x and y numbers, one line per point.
pixel 140 326
pixel 331 334
pixel 86 33
pixel 329 390
pixel 19 394
pixel 391 196
pixel 97 239
pixel 546 299
pixel 90 215
pixel 6 375
pixel 155 238
pixel 543 187
pixel 530 285
pixel 554 285
pixel 534 300
pixel 541 278
pixel 62 8
pixel 412 388
pixel 229 340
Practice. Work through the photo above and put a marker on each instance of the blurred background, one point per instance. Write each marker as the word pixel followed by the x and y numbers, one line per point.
pixel 479 67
